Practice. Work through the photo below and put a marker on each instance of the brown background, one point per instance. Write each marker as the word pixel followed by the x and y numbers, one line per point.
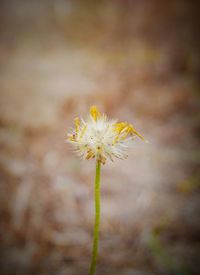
pixel 137 61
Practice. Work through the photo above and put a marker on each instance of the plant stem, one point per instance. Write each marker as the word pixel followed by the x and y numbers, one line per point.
pixel 97 219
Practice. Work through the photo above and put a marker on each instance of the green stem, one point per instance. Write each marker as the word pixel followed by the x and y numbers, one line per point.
pixel 97 219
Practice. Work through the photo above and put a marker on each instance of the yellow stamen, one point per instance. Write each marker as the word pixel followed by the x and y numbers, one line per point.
pixel 72 137
pixel 127 128
pixel 119 127
pixel 102 159
pixel 95 113
pixel 90 154
pixel 134 132
pixel 77 124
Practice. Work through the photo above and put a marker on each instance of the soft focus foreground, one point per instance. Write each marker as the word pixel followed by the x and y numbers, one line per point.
pixel 137 61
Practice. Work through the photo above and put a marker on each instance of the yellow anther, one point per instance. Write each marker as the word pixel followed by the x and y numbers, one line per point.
pixel 72 137
pixel 95 113
pixel 121 126
pixel 134 132
pixel 90 154
pixel 77 124
pixel 102 159
pixel 125 128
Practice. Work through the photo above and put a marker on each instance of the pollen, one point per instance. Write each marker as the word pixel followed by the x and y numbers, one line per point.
pixel 102 138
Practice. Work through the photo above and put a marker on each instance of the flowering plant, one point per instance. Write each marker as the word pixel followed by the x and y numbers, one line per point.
pixel 100 138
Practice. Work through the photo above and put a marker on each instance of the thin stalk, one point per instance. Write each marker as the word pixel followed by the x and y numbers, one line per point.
pixel 97 219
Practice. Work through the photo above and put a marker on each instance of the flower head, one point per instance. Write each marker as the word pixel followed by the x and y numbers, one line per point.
pixel 101 138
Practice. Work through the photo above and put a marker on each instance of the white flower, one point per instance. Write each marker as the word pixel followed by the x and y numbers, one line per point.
pixel 101 138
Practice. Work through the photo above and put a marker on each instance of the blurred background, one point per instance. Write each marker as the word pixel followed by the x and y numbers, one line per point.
pixel 137 61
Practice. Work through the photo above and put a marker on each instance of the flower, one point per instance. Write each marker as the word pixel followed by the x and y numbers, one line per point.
pixel 101 138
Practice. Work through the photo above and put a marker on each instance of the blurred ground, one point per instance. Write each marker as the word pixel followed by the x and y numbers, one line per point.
pixel 137 61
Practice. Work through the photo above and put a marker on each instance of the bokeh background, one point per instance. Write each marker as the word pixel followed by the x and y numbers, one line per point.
pixel 137 61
